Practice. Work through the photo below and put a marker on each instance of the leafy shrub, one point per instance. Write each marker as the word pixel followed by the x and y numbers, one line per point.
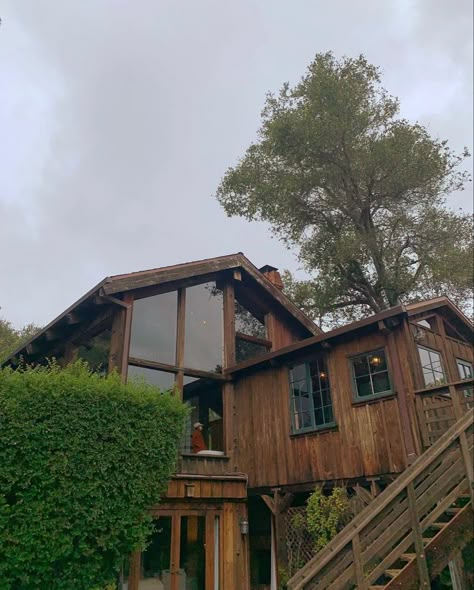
pixel 82 457
pixel 326 515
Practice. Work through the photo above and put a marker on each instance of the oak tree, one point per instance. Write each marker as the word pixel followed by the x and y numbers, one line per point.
pixel 360 192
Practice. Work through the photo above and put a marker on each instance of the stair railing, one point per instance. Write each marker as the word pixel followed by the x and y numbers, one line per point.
pixel 395 523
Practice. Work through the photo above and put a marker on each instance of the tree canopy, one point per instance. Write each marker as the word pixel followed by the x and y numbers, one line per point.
pixel 360 192
pixel 83 457
pixel 11 338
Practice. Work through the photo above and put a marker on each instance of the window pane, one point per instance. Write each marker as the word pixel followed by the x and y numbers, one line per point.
pixel 319 417
pixel 317 400
pixel 155 561
pixel 465 369
pixel 435 360
pixel 328 415
pixel 96 352
pixel 381 382
pixel 153 334
pixel 326 396
pixel 377 361
pixel 203 330
pixel 247 323
pixel 361 366
pixel 246 350
pixel 297 373
pixel 432 367
pixel 161 379
pixel 192 553
pixel 303 420
pixel 364 386
pixel 429 377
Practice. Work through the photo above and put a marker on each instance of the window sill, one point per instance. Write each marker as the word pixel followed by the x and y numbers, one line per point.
pixel 205 457
pixel 322 430
pixel 374 398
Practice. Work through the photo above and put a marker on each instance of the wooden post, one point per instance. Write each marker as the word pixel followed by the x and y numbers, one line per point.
pixel 134 573
pixel 229 324
pixel 180 338
pixel 358 565
pixel 463 442
pixel 127 331
pixel 405 420
pixel 278 506
pixel 418 539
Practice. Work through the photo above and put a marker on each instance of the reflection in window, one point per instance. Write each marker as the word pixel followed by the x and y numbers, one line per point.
pixel 245 349
pixel 465 369
pixel 248 323
pixel 161 379
pixel 192 553
pixel 203 328
pixel 153 335
pixel 155 560
pixel 205 399
pixel 96 352
pixel 311 402
pixel 466 372
pixel 370 374
pixel 433 373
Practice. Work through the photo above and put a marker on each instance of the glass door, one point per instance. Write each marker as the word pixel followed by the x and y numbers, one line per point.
pixel 183 554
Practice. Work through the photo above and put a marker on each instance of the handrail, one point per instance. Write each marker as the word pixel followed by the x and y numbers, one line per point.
pixel 382 501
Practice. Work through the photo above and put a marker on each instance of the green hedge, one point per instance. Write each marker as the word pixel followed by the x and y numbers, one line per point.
pixel 81 459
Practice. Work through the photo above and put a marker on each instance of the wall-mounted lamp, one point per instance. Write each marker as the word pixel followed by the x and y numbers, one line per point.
pixel 189 490
pixel 244 526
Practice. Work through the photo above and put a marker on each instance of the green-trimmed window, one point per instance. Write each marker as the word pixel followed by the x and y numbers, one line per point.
pixel 311 404
pixel 370 376
pixel 432 367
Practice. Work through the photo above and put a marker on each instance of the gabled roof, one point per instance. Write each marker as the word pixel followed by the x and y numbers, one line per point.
pixel 158 276
pixel 116 285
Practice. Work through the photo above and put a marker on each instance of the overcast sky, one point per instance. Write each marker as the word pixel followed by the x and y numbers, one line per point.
pixel 118 118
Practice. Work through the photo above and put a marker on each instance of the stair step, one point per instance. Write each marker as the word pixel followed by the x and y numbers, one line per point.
pixel 376 587
pixel 392 573
pixel 438 525
pixel 408 556
pixel 452 510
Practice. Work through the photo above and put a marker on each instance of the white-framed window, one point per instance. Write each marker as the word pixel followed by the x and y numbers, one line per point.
pixel 431 366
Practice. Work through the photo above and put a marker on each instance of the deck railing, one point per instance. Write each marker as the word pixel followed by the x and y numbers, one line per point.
pixel 440 406
pixel 394 527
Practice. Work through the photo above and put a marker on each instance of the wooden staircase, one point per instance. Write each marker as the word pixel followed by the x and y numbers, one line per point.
pixel 411 531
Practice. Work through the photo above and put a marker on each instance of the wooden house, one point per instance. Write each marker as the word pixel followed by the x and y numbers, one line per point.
pixel 284 406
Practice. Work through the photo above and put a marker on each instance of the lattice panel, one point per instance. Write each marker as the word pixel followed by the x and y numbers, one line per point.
pixel 299 545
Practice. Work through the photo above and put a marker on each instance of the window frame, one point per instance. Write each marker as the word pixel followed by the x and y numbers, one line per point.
pixel 462 362
pixel 442 363
pixel 313 427
pixel 356 398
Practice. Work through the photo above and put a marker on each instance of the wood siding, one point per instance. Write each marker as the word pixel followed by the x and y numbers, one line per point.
pixel 368 439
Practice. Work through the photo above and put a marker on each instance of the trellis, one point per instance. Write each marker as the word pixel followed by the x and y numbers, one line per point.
pixel 299 544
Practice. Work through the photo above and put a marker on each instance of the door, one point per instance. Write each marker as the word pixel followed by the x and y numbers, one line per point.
pixel 183 553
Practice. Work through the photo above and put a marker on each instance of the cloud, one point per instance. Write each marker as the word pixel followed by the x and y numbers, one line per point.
pixel 119 118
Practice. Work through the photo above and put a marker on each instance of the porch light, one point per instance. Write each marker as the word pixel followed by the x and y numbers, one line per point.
pixel 244 526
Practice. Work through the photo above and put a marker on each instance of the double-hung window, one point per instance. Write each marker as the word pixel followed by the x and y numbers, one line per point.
pixel 370 376
pixel 432 366
pixel 311 405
